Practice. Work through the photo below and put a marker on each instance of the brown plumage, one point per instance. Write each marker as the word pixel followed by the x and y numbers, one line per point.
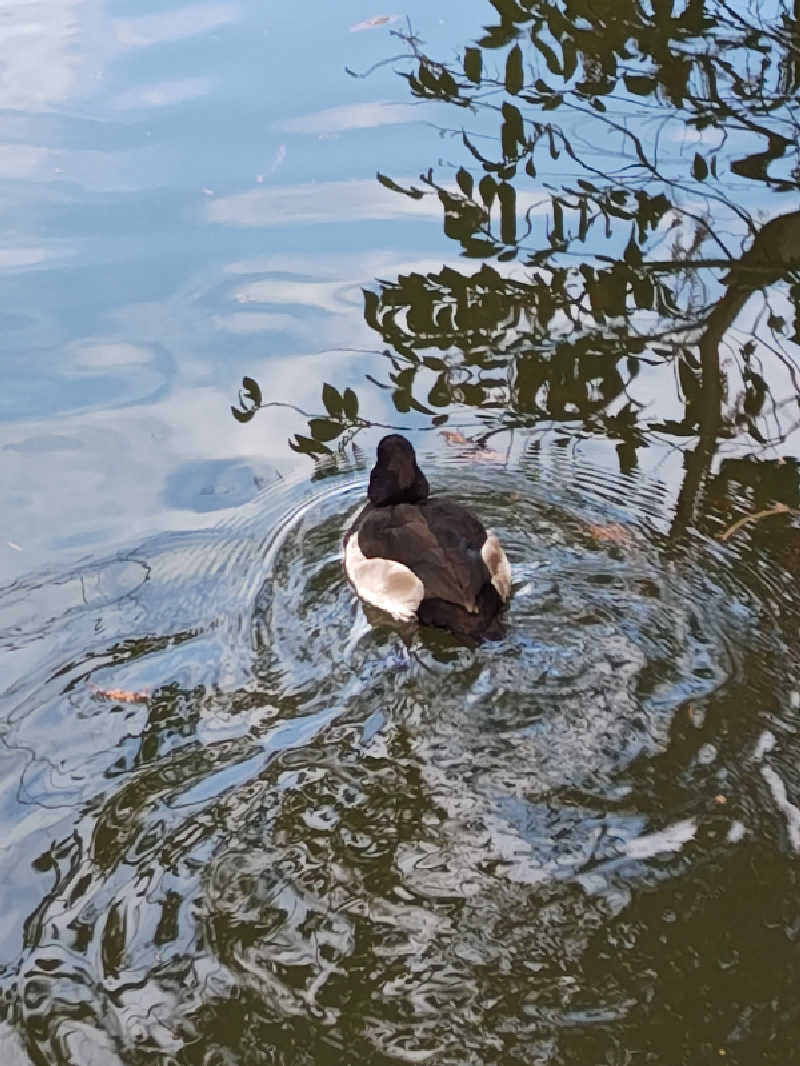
pixel 429 558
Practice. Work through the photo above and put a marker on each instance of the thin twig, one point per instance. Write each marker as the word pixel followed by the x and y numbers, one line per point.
pixel 779 508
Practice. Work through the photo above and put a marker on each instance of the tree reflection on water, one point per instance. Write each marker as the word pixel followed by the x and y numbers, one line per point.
pixel 617 168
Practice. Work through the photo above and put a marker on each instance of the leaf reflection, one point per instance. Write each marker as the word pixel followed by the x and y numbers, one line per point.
pixel 610 156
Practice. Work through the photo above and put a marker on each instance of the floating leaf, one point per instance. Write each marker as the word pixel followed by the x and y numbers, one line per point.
pixel 609 533
pixel 371 23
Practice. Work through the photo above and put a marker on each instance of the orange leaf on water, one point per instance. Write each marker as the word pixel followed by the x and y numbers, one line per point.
pixel 371 23
pixel 610 533
pixel 453 436
pixel 119 695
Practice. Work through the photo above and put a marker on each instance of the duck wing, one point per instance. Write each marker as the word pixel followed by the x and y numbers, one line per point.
pixel 438 540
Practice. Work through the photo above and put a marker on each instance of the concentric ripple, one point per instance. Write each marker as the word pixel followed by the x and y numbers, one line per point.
pixel 244 822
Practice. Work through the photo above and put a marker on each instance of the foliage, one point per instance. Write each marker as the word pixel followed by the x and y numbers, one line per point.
pixel 617 161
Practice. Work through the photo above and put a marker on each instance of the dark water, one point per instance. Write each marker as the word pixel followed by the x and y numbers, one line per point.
pixel 242 821
pixel 319 838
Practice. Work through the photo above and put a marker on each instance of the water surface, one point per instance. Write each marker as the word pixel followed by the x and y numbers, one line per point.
pixel 244 820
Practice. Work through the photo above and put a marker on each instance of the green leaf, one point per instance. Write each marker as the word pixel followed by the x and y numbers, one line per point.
pixel 465 182
pixel 487 187
pixel 371 309
pixel 114 940
pixel 332 400
pixel 699 167
pixel 514 75
pixel 639 84
pixel 558 222
pixel 439 395
pixel 643 292
pixel 633 253
pixel 350 404
pixel 583 219
pixel 252 391
pixel 402 400
pixel 755 393
pixel 412 193
pixel 307 446
pixel 241 415
pixel 323 429
pixel 508 212
pixel 512 132
pixel 570 57
pixel 550 58
pixel 472 64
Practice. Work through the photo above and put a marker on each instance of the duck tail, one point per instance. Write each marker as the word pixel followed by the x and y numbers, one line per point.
pixel 485 624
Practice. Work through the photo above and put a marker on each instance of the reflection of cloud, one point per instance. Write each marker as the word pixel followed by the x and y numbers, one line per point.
pixel 280 157
pixel 322 295
pixel 352 117
pixel 39 55
pixel 245 322
pixel 16 258
pixel 23 160
pixel 324 201
pixel 167 93
pixel 103 355
pixel 173 25
pixel 362 199
pixel 102 480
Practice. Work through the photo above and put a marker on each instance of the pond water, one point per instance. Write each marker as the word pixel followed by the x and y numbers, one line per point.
pixel 244 821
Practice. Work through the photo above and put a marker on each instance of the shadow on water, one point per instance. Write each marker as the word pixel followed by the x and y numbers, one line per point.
pixel 241 824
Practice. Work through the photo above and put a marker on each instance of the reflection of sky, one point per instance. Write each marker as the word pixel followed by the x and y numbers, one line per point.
pixel 190 195
pixel 131 144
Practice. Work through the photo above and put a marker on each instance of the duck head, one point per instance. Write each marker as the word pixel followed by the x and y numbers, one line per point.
pixel 396 478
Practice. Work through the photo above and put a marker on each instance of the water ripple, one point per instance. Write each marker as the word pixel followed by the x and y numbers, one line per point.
pixel 229 793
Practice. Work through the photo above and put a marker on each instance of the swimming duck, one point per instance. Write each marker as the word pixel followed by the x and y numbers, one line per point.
pixel 429 559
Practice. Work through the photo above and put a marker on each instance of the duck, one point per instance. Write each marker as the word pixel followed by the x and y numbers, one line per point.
pixel 426 558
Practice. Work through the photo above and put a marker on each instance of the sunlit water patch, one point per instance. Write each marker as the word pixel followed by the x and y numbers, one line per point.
pixel 244 822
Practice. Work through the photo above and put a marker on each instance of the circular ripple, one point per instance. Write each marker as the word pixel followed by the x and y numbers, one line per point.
pixel 324 833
